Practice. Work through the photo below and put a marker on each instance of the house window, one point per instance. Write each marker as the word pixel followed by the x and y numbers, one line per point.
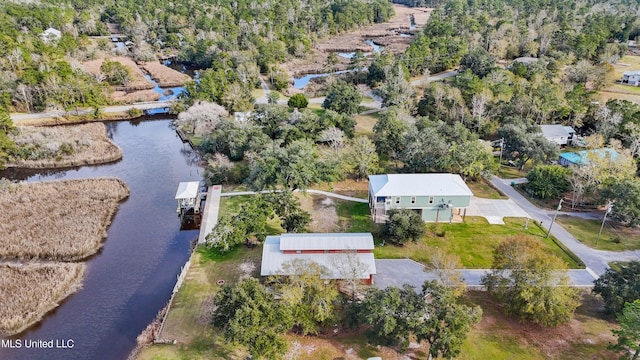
pixel 413 199
pixel 298 251
pixel 430 199
pixel 397 199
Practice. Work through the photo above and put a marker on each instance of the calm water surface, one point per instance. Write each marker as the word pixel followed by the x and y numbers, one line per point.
pixel 131 278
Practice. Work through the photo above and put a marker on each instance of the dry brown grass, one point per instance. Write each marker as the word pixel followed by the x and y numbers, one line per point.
pixel 28 292
pixel 64 146
pixel 59 220
pixel 164 75
pixel 386 34
pixel 135 96
pixel 139 82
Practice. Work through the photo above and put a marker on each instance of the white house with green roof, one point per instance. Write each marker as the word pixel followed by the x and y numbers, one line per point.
pixel 433 196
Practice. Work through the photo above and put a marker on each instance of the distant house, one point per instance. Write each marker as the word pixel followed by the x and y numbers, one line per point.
pixel 433 196
pixel 51 35
pixel 631 77
pixel 526 60
pixel 559 134
pixel 581 158
pixel 343 255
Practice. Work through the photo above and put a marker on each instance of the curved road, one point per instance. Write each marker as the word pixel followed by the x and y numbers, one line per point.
pixel 596 260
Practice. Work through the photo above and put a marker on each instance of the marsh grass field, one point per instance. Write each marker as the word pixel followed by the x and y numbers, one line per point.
pixel 64 146
pixel 59 220
pixel 28 292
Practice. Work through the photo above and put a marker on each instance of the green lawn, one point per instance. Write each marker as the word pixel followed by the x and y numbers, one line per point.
pixel 473 241
pixel 614 237
pixel 365 124
pixel 256 93
pixel 484 190
pixel 501 337
pixel 188 318
pixel 354 217
pixel 509 172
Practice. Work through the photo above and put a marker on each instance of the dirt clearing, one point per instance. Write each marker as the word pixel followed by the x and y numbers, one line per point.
pixel 139 81
pixel 394 35
pixel 165 76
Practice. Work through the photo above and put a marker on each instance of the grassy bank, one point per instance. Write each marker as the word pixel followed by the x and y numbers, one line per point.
pixel 58 220
pixel 28 292
pixel 500 337
pixel 64 146
pixel 473 241
pixel 483 189
pixel 615 237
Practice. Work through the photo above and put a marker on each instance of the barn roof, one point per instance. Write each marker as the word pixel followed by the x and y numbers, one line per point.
pixel 327 241
pixel 337 265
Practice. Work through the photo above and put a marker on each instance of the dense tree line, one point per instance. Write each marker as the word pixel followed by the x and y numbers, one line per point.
pixel 280 148
pixel 235 40
pixel 250 315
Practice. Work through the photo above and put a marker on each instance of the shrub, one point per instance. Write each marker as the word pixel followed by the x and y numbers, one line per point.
pixel 135 112
pixel 298 101
pixel 548 181
pixel 403 225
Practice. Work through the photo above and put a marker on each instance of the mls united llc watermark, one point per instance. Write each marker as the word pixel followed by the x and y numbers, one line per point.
pixel 37 344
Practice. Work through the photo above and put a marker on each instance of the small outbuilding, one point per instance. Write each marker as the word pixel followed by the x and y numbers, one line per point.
pixel 188 197
pixel 433 196
pixel 581 158
pixel 51 35
pixel 631 77
pixel 344 256
pixel 559 134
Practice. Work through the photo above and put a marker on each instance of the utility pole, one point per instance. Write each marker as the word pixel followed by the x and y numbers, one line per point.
pixel 606 212
pixel 501 146
pixel 554 217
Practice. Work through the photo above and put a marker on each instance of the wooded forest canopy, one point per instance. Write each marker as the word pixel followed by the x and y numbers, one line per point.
pixel 222 35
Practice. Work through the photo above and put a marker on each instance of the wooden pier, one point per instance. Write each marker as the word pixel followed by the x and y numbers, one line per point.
pixel 210 213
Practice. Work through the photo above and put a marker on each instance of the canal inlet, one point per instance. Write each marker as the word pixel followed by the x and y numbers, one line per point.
pixel 132 276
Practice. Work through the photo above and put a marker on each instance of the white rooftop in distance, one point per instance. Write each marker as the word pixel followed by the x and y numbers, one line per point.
pixel 327 241
pixel 187 190
pixel 631 72
pixel 418 185
pixel 338 265
pixel 556 130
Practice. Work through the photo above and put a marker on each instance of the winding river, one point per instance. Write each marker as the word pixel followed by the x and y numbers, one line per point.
pixel 131 278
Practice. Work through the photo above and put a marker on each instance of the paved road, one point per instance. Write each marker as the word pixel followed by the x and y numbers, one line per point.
pixel 596 260
pixel 396 272
pixel 16 117
pixel 435 77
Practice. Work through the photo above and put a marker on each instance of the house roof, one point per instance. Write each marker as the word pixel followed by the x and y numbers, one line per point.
pixel 554 131
pixel 581 157
pixel 526 59
pixel 418 185
pixel 631 72
pixel 52 32
pixel 338 265
pixel 187 190
pixel 327 241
